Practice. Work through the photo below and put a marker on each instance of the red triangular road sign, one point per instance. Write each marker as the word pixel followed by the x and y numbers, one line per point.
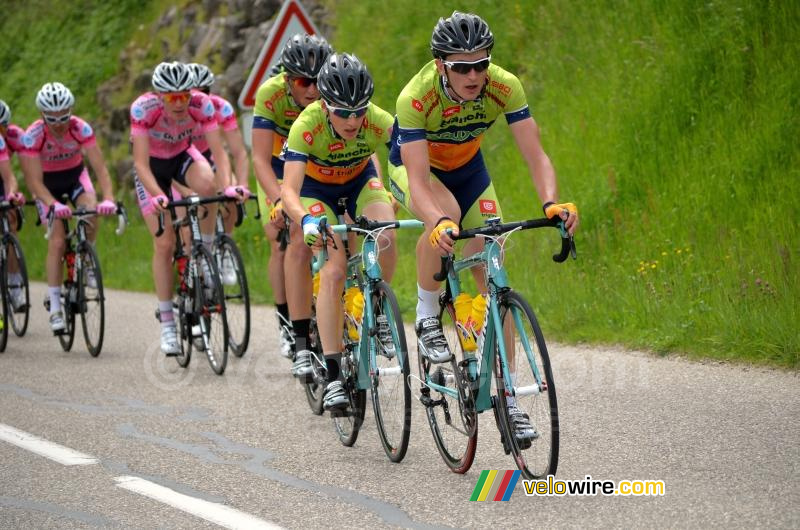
pixel 291 19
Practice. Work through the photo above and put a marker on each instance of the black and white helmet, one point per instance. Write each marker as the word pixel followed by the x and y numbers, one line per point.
pixel 5 113
pixel 461 33
pixel 303 54
pixel 344 81
pixel 172 77
pixel 203 78
pixel 54 97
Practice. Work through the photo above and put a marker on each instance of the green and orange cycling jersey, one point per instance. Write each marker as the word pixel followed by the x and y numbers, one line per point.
pixel 276 110
pixel 329 158
pixel 454 130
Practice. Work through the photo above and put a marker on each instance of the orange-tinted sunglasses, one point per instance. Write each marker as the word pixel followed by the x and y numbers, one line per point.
pixel 177 97
pixel 303 82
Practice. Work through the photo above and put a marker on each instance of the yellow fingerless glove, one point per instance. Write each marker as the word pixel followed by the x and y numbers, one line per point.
pixel 276 210
pixel 445 223
pixel 552 209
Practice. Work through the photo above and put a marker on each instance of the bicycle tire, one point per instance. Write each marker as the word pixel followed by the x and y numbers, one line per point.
pixel 237 295
pixel 19 317
pixel 210 310
pixel 314 391
pixel 67 337
pixel 391 394
pixel 536 458
pixel 91 300
pixel 455 441
pixel 347 424
pixel 184 300
pixel 3 309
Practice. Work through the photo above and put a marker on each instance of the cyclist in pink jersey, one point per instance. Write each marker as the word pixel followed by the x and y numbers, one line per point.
pixel 162 123
pixel 238 186
pixel 11 142
pixel 53 149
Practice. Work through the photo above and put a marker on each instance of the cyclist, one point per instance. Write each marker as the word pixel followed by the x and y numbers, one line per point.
pixel 162 123
pixel 436 167
pixel 330 154
pixel 53 148
pixel 279 101
pixel 10 143
pixel 237 188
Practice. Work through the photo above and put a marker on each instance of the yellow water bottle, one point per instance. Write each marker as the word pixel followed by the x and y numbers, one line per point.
pixel 463 307
pixel 315 283
pixel 478 314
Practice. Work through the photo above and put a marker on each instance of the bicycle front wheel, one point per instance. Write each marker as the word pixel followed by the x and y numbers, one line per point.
pixel 391 395
pixel 348 423
pixel 453 421
pixel 91 300
pixel 210 311
pixel 314 390
pixel 237 296
pixel 535 450
pixel 17 287
pixel 4 310
pixel 69 296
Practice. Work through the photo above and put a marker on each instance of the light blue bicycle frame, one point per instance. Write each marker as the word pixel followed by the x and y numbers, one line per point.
pixel 364 353
pixel 497 281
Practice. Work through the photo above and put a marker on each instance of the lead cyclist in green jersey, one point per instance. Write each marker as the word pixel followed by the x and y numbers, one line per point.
pixel 330 155
pixel 436 166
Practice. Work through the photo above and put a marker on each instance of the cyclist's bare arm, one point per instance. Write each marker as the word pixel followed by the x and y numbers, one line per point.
pixel 141 162
pixel 241 164
pixel 262 157
pixel 98 163
pixel 9 182
pixel 526 134
pixel 415 159
pixel 293 175
pixel 214 139
pixel 34 178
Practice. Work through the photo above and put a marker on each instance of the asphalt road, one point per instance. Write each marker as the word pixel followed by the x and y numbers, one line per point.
pixel 159 444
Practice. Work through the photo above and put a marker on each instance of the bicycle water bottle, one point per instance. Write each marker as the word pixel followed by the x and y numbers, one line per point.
pixel 315 283
pixel 478 314
pixel 354 309
pixel 463 307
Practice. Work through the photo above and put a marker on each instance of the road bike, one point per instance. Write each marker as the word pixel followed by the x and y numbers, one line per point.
pixel 15 303
pixel 82 290
pixel 375 354
pixel 199 302
pixel 507 359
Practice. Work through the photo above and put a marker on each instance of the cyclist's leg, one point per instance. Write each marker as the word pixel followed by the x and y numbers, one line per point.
pixel 56 246
pixel 196 172
pixel 486 206
pixel 374 203
pixel 84 195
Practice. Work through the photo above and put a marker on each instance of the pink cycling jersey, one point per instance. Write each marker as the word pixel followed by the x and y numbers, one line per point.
pixel 169 137
pixel 226 118
pixel 13 139
pixel 57 154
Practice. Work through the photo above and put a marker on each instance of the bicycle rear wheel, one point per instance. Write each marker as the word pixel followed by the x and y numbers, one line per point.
pixel 453 421
pixel 391 395
pixel 91 300
pixel 534 389
pixel 348 423
pixel 69 295
pixel 237 296
pixel 210 309
pixel 17 285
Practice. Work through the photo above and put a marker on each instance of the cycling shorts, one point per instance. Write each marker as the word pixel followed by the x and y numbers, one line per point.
pixel 165 170
pixel 71 183
pixel 323 199
pixel 263 201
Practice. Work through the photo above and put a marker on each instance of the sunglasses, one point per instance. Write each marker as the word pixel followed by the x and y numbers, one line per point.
pixel 303 82
pixel 177 97
pixel 463 67
pixel 56 119
pixel 341 112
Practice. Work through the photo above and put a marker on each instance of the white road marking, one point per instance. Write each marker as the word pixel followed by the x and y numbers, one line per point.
pixel 210 511
pixel 53 451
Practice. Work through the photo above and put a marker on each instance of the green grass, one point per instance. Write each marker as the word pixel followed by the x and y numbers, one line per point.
pixel 672 124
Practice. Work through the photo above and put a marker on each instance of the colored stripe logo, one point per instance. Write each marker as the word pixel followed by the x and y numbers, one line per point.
pixel 495 485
